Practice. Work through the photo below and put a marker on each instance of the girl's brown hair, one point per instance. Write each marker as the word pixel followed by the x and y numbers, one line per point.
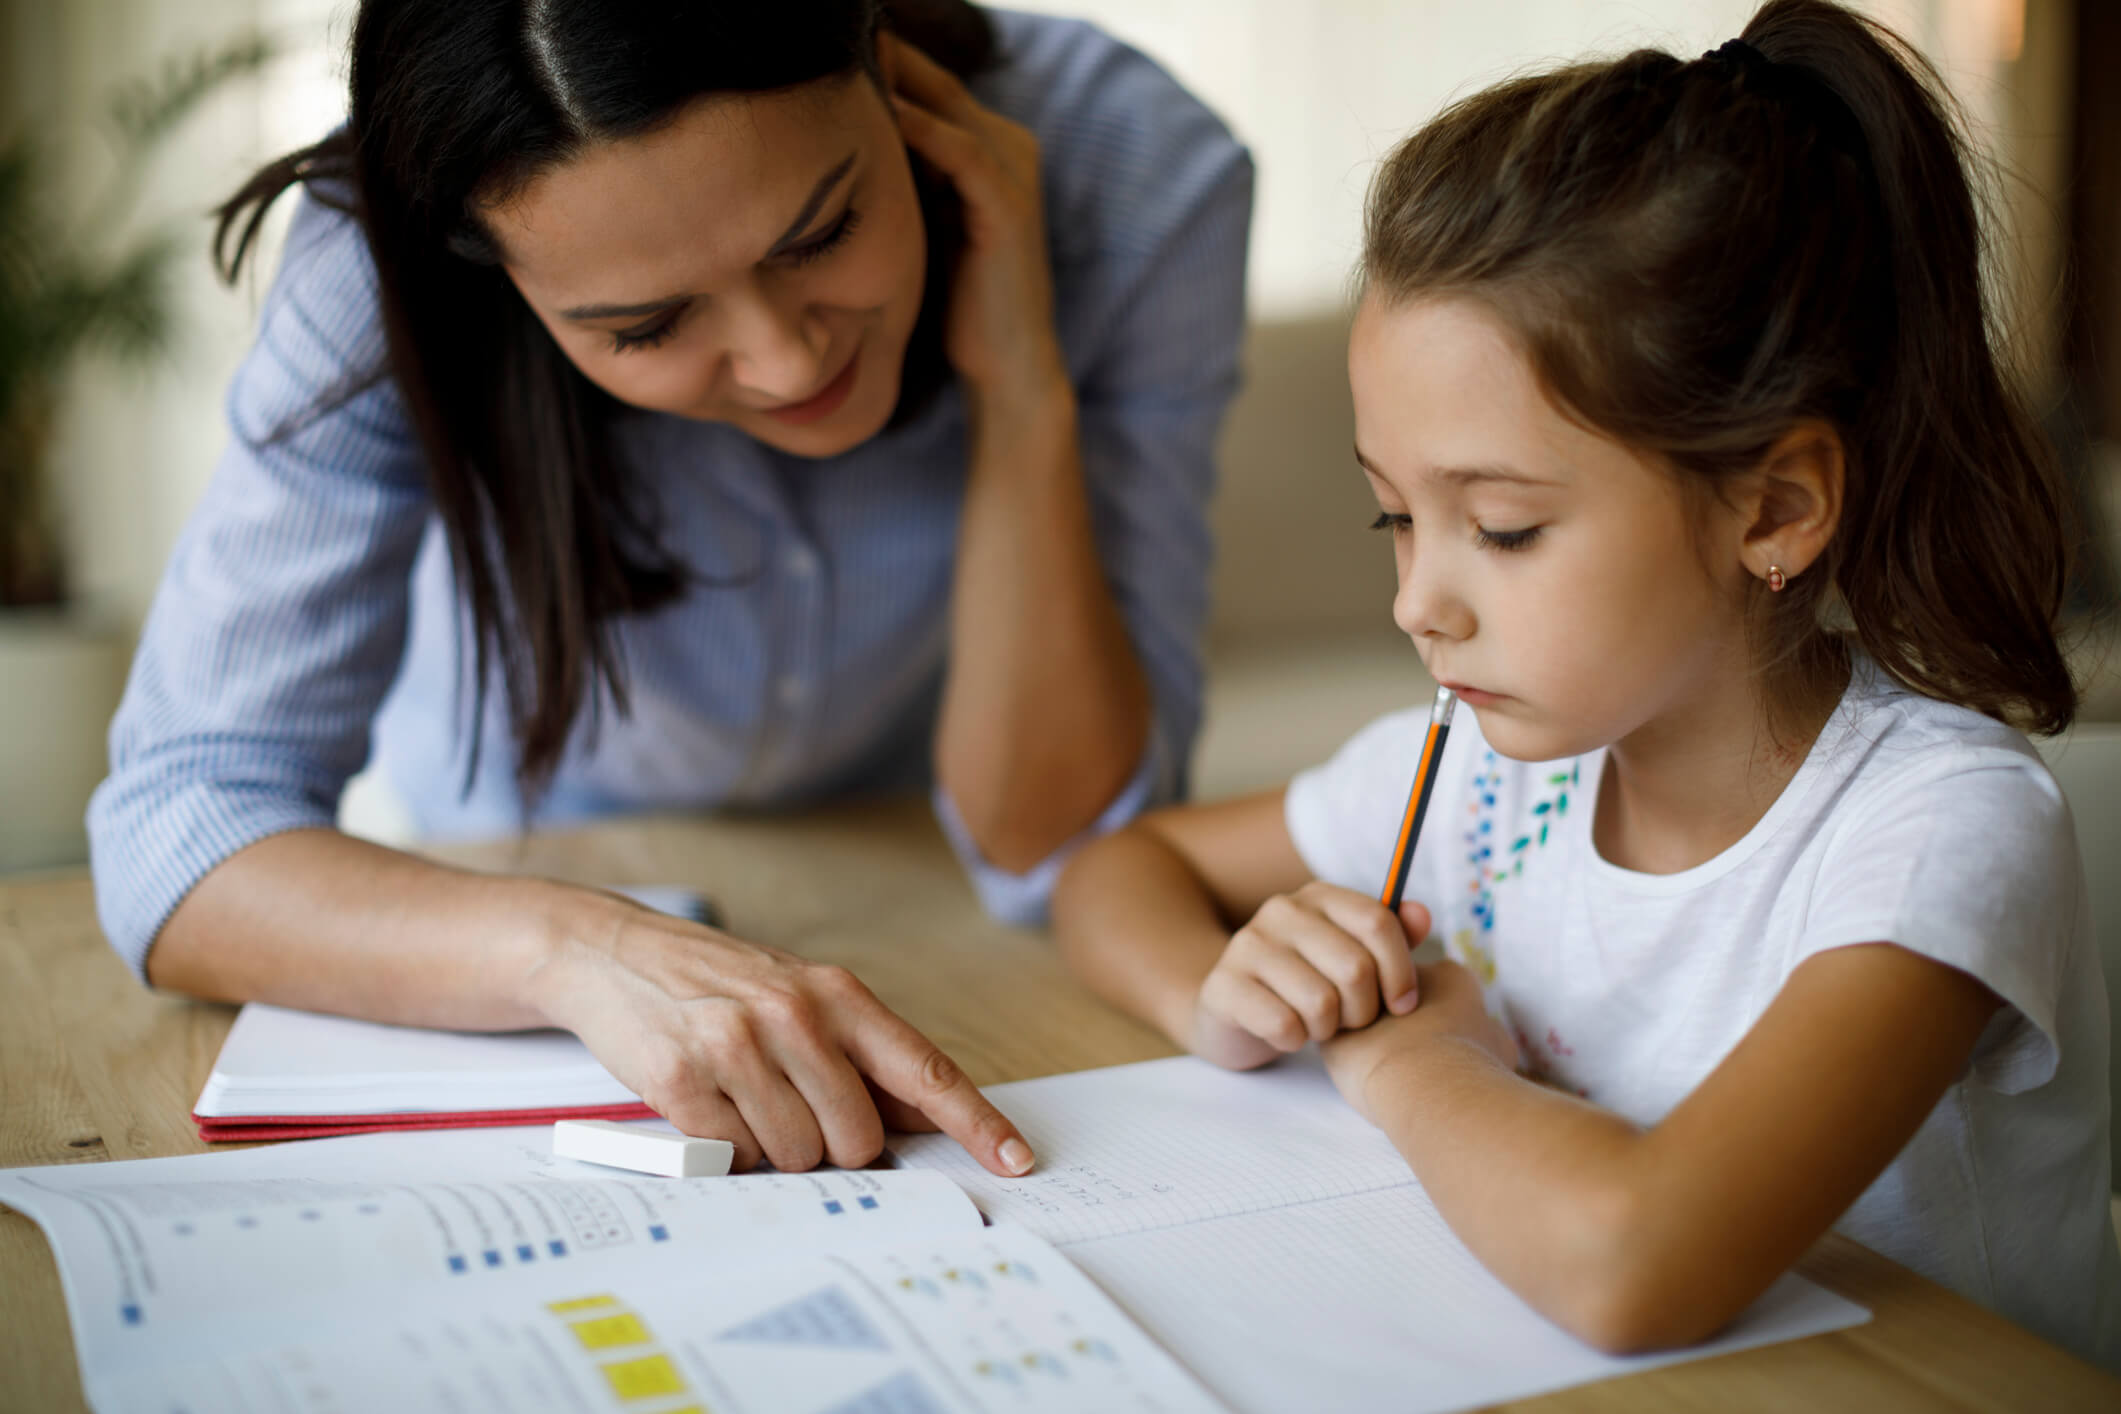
pixel 1699 255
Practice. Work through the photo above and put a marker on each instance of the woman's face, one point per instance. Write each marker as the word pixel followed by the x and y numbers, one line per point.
pixel 758 261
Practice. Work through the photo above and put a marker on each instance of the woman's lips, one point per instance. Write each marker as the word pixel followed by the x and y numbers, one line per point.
pixel 825 403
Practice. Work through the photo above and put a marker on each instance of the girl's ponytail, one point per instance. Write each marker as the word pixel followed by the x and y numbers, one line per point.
pixel 1953 554
pixel 1700 254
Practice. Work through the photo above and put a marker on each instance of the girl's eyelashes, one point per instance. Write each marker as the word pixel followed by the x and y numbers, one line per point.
pixel 830 240
pixel 1506 539
pixel 1399 522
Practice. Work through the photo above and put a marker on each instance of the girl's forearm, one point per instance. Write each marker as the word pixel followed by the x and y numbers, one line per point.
pixel 321 921
pixel 1137 925
pixel 1547 1190
pixel 1045 707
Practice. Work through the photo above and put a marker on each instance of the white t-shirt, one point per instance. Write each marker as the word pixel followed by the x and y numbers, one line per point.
pixel 1910 822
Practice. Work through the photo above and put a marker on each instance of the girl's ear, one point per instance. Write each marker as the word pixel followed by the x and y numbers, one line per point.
pixel 1791 503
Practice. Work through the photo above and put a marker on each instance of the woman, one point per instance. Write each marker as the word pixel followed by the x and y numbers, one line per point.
pixel 774 401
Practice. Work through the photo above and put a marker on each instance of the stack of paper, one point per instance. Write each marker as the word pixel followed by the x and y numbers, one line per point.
pixel 292 1075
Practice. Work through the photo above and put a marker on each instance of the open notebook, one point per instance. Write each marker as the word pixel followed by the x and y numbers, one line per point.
pixel 1252 1226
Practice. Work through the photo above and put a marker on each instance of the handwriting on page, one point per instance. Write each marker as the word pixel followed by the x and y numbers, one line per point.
pixel 1169 1143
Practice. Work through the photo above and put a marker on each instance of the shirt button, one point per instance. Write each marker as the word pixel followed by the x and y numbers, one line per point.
pixel 802 562
pixel 791 691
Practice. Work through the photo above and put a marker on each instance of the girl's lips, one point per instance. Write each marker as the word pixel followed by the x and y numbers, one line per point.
pixel 1472 696
pixel 825 403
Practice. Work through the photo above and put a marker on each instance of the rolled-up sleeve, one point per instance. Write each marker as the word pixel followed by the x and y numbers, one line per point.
pixel 280 620
pixel 1152 402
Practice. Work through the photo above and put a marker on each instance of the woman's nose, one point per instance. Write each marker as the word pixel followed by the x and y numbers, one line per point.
pixel 774 352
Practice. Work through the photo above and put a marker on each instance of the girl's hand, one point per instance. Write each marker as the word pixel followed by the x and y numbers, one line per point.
pixel 792 1061
pixel 1000 335
pixel 1321 960
pixel 1451 1009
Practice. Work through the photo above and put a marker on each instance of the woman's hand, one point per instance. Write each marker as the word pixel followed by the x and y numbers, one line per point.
pixel 1451 1010
pixel 793 1061
pixel 1000 335
pixel 1310 964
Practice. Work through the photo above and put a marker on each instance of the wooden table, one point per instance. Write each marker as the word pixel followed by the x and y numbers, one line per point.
pixel 93 1067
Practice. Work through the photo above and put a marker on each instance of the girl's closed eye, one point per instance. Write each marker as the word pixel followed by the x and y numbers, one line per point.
pixel 1394 521
pixel 1505 539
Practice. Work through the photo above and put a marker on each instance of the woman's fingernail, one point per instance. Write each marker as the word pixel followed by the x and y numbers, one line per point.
pixel 1016 1156
pixel 1404 1002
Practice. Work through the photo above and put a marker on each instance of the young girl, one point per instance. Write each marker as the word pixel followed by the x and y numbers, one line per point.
pixel 1707 496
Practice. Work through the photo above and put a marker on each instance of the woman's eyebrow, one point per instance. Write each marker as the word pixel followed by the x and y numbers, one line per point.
pixel 818 193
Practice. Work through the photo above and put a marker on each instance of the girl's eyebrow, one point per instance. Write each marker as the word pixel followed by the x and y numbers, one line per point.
pixel 803 218
pixel 1465 475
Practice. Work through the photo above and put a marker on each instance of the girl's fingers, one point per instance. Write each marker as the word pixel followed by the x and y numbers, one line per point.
pixel 1389 943
pixel 1314 999
pixel 1250 1005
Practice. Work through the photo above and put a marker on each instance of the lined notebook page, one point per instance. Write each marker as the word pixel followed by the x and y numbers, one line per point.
pixel 1274 1242
pixel 1172 1141
pixel 1369 1302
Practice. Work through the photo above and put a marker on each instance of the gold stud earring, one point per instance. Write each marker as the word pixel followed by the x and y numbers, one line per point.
pixel 1775 579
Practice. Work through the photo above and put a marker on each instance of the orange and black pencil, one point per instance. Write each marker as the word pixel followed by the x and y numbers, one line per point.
pixel 1418 797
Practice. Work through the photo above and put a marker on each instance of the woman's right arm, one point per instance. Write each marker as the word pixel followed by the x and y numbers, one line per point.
pixel 720 1036
pixel 277 632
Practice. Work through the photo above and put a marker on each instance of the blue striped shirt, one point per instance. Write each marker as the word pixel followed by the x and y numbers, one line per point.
pixel 307 623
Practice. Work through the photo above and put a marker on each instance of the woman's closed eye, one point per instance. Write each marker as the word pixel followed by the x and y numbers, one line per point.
pixel 658 330
pixel 647 336
pixel 827 241
pixel 1394 521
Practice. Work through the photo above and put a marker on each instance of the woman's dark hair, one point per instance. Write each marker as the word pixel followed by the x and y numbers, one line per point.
pixel 1697 256
pixel 461 103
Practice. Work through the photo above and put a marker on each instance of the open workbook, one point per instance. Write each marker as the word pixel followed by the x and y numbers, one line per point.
pixel 1252 1226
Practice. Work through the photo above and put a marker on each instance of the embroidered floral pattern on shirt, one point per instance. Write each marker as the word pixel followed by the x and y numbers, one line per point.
pixel 1488 864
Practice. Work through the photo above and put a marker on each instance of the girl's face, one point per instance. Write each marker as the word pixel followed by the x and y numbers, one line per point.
pixel 759 261
pixel 1559 581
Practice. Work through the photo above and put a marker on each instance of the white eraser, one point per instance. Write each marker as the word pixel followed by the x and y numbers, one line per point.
pixel 603 1141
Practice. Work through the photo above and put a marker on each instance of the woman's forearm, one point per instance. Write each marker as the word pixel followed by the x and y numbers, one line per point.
pixel 321 921
pixel 1045 709
pixel 1136 924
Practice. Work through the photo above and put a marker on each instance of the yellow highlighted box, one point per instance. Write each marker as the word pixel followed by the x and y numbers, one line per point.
pixel 608 1331
pixel 580 1303
pixel 644 1378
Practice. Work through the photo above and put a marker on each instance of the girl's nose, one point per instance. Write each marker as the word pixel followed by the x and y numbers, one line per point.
pixel 1427 605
